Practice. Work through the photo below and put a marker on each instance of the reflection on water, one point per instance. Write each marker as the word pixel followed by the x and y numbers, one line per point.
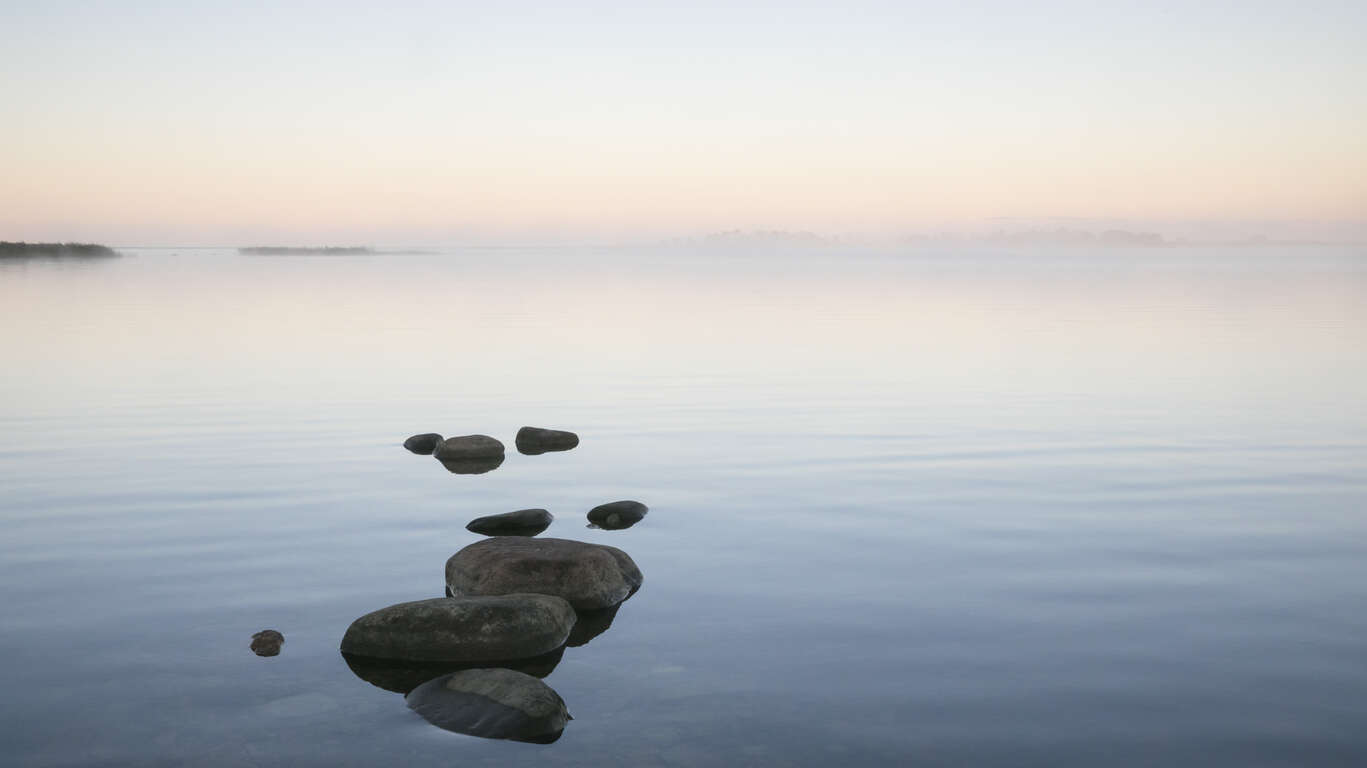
pixel 472 466
pixel 402 677
pixel 949 507
pixel 591 624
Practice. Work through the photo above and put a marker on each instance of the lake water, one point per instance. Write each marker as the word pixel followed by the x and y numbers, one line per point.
pixel 936 507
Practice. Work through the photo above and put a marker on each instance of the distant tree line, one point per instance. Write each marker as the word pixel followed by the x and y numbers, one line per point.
pixel 279 250
pixel 1077 237
pixel 21 250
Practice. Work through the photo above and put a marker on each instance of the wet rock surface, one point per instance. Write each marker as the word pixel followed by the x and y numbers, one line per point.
pixel 589 576
pixel 468 447
pixel 267 642
pixel 493 704
pixel 523 522
pixel 535 440
pixel 616 515
pixel 424 444
pixel 463 629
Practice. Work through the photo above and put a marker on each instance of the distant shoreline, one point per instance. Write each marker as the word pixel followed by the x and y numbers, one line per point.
pixel 22 250
pixel 280 250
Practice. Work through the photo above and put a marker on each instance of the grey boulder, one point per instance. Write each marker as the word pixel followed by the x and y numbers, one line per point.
pixel 465 629
pixel 524 522
pixel 423 444
pixel 589 576
pixel 535 440
pixel 617 515
pixel 468 447
pixel 267 642
pixel 492 704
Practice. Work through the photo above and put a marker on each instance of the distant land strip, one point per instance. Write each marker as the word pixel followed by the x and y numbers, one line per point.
pixel 279 250
pixel 21 250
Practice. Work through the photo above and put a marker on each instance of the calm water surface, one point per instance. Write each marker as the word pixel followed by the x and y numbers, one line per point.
pixel 957 507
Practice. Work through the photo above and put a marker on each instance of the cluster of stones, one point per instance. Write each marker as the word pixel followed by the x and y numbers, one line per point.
pixel 477 454
pixel 613 516
pixel 471 661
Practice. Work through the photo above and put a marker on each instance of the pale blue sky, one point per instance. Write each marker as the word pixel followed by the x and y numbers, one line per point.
pixel 196 122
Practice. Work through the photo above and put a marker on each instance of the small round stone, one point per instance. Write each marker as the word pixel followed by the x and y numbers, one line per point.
pixel 267 642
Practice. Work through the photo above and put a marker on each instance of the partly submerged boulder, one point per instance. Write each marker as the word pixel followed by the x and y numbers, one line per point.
pixel 402 676
pixel 493 704
pixel 535 440
pixel 523 522
pixel 467 447
pixel 616 515
pixel 423 444
pixel 464 629
pixel 267 642
pixel 589 576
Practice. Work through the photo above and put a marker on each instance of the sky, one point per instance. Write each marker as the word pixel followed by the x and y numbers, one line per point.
pixel 223 123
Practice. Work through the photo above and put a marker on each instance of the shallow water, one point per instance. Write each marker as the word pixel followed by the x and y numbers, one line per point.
pixel 936 506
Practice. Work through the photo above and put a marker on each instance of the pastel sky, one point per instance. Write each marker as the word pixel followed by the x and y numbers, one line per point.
pixel 407 122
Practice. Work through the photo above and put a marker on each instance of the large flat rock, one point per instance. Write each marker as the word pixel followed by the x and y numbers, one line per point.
pixel 589 576
pixel 463 629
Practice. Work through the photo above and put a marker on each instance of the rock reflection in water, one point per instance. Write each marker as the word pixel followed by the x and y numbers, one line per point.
pixel 492 704
pixel 404 676
pixel 472 466
pixel 591 624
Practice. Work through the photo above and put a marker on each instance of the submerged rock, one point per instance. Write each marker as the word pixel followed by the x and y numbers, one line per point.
pixel 472 466
pixel 535 440
pixel 493 704
pixel 463 629
pixel 423 444
pixel 524 522
pixel 616 515
pixel 403 676
pixel 589 576
pixel 467 447
pixel 267 642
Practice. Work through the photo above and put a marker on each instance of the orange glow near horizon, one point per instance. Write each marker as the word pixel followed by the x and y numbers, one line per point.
pixel 376 132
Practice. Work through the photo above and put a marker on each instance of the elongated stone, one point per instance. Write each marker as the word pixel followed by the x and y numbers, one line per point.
pixel 589 576
pixel 468 447
pixel 508 626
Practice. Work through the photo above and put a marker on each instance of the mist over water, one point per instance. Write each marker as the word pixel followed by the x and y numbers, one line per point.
pixel 952 505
